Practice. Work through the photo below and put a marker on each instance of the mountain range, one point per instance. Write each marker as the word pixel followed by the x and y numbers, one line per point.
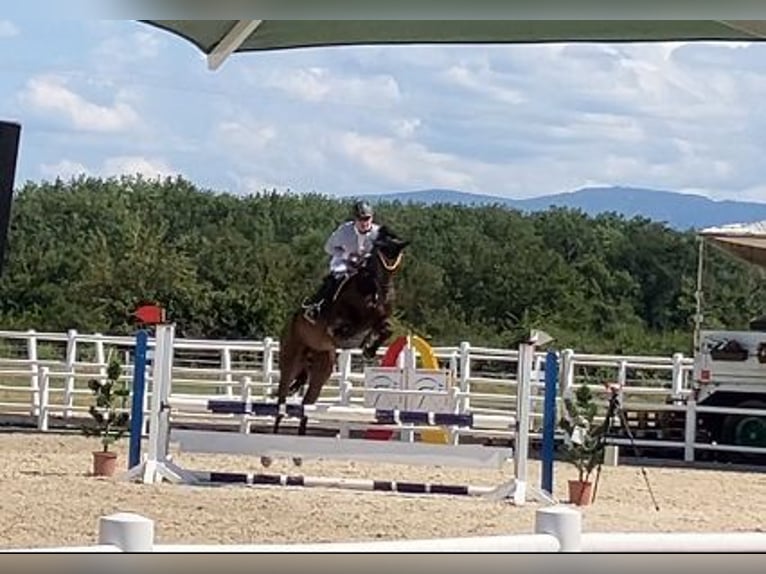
pixel 681 211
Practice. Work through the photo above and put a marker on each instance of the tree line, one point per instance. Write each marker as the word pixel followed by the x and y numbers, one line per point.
pixel 84 253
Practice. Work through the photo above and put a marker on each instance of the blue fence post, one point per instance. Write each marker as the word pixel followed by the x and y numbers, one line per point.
pixel 549 420
pixel 137 406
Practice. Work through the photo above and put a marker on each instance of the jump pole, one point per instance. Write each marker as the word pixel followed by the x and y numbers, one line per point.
pixel 518 489
pixel 549 420
pixel 137 406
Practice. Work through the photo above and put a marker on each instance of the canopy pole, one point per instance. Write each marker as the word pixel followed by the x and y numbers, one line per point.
pixel 698 295
pixel 231 41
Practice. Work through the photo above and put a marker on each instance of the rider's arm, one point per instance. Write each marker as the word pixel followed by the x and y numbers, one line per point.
pixel 334 245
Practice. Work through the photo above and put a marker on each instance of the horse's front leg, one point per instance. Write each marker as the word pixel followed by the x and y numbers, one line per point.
pixel 376 338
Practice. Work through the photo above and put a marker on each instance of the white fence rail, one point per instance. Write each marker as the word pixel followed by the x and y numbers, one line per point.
pixel 557 528
pixel 43 376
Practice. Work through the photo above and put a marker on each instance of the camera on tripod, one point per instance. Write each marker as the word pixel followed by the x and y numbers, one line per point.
pixel 614 408
pixel 615 393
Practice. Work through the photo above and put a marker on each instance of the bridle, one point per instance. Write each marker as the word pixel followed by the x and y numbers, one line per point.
pixel 388 264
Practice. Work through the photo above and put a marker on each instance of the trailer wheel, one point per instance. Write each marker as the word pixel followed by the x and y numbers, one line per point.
pixel 746 430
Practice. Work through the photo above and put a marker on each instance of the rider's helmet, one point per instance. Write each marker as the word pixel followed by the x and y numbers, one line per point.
pixel 362 210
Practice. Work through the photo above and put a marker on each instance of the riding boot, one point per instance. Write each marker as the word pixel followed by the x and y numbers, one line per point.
pixel 313 307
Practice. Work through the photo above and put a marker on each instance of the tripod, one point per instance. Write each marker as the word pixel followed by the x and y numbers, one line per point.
pixel 613 409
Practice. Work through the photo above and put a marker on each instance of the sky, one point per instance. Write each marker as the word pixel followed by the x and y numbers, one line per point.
pixel 112 97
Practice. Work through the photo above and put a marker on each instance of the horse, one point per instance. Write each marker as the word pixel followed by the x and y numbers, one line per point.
pixel 357 317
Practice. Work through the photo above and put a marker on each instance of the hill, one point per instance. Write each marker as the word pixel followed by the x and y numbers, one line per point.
pixel 680 211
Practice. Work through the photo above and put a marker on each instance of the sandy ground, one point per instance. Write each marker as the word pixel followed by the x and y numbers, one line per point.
pixel 48 498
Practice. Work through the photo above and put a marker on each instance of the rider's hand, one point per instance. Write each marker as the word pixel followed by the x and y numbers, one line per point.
pixel 354 260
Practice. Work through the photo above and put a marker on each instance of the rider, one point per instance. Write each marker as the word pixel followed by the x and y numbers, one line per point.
pixel 347 246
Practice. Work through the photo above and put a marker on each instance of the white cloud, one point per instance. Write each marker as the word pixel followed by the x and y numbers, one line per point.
pixel 310 85
pixel 8 29
pixel 126 48
pixel 259 156
pixel 483 80
pixel 404 163
pixel 598 127
pixel 132 165
pixel 250 184
pixel 406 127
pixel 111 167
pixel 319 84
pixel 246 137
pixel 51 94
pixel 733 45
pixel 64 169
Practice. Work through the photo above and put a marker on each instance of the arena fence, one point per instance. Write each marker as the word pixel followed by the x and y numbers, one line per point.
pixel 43 382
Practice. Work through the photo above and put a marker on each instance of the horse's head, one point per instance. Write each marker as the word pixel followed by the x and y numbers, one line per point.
pixel 388 249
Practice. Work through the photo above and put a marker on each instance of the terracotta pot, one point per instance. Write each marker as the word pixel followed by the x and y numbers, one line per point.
pixel 580 492
pixel 104 463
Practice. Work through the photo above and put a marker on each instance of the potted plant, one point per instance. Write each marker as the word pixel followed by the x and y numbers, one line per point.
pixel 583 443
pixel 110 418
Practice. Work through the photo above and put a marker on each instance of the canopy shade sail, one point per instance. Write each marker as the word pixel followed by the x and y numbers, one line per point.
pixel 747 241
pixel 218 39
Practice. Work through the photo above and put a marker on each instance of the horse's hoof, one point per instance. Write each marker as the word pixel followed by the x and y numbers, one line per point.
pixel 298 461
pixel 266 461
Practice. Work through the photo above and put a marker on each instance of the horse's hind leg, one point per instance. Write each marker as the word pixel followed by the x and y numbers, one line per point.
pixel 294 385
pixel 290 367
pixel 321 369
pixel 287 375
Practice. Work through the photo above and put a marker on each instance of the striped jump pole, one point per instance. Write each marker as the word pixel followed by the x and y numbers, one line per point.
pixel 367 485
pixel 360 414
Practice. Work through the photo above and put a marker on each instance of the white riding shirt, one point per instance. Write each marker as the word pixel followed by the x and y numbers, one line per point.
pixel 347 241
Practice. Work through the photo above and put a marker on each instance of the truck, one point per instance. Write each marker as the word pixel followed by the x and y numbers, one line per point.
pixel 729 366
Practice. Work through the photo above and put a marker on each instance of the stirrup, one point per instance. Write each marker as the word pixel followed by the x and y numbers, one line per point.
pixel 311 311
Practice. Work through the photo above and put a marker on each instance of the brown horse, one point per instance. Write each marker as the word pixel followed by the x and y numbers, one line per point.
pixel 357 317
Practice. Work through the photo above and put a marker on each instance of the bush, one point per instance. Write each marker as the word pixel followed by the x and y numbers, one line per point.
pixel 584 440
pixel 110 419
